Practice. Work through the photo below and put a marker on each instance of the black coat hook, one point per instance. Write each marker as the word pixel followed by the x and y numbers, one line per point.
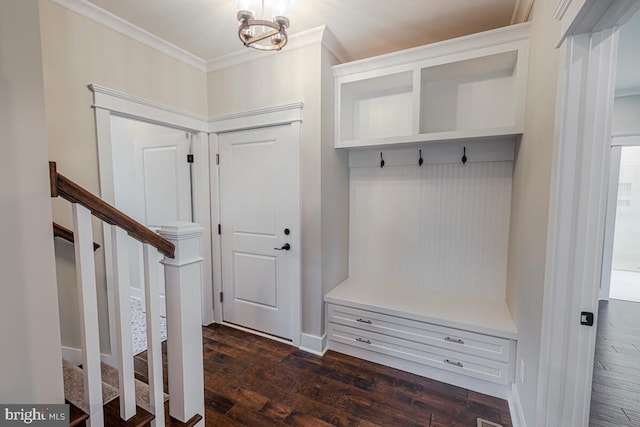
pixel 421 160
pixel 464 155
pixel 381 160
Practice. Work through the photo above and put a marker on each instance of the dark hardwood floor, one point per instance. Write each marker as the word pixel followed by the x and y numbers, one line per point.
pixel 253 381
pixel 615 398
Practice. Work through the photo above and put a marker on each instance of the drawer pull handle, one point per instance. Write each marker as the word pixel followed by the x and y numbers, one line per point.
pixel 363 340
pixel 455 340
pixel 451 362
pixel 368 322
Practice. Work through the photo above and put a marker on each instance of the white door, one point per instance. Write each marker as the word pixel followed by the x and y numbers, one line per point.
pixel 260 227
pixel 163 193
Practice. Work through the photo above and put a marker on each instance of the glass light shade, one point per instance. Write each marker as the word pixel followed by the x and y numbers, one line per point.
pixel 265 9
pixel 253 6
pixel 263 23
pixel 278 8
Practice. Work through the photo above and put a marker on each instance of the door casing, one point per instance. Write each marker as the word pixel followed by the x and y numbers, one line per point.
pixel 576 224
pixel 108 103
pixel 288 114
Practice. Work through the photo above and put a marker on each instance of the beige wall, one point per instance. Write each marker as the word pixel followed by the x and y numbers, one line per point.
pixel 31 369
pixel 286 77
pixel 76 52
pixel 530 201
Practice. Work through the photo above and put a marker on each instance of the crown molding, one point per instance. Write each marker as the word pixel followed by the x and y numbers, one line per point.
pixel 332 44
pixel 296 41
pixel 115 23
pixel 521 11
pixel 101 16
pixel 472 42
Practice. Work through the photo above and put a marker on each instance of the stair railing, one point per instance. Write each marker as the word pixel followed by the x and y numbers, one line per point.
pixel 180 244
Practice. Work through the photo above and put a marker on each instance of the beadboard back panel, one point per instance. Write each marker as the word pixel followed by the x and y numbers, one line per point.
pixel 440 227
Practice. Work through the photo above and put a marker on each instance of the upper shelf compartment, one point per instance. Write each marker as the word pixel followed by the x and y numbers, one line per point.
pixel 470 87
pixel 378 107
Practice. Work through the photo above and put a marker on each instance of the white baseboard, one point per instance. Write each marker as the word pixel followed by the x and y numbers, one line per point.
pixel 515 408
pixel 313 344
pixel 74 355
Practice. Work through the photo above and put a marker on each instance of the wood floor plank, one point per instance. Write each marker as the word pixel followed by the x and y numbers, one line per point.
pixel 253 381
pixel 615 398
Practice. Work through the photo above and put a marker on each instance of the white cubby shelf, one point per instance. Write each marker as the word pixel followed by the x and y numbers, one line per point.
pixel 471 87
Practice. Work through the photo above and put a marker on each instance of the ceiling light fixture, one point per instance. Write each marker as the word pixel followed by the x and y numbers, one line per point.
pixel 256 31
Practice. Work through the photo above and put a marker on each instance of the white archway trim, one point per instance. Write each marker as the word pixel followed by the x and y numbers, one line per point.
pixel 110 102
pixel 145 109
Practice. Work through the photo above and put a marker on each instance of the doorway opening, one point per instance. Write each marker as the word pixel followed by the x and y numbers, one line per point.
pixel 151 184
pixel 625 265
pixel 615 385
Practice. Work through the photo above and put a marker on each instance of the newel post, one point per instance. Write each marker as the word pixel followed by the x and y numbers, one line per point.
pixel 183 278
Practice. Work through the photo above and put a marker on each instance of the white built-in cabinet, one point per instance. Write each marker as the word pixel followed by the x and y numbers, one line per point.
pixel 466 88
pixel 428 232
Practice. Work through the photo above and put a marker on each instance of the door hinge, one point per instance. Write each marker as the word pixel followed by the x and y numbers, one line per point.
pixel 189 158
pixel 217 159
pixel 221 297
pixel 219 229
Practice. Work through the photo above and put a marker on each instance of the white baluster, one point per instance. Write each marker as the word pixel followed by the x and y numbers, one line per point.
pixel 87 298
pixel 154 345
pixel 184 320
pixel 123 322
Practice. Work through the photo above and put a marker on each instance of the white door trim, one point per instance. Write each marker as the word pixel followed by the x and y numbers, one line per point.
pixel 271 116
pixel 610 222
pixel 109 102
pixel 577 206
pixel 278 115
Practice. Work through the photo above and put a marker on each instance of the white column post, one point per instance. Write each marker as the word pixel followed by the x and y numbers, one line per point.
pixel 154 345
pixel 183 278
pixel 124 340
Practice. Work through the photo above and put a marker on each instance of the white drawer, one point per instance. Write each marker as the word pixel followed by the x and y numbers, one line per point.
pixel 460 341
pixel 464 364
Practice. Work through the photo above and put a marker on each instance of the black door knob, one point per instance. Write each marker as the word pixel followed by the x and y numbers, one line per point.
pixel 284 247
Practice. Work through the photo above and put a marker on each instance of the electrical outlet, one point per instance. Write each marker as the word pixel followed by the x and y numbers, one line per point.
pixel 522 371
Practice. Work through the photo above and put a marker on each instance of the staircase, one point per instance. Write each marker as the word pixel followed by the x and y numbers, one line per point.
pixel 104 395
pixel 74 395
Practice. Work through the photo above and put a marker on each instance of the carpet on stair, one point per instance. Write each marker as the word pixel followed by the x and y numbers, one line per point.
pixel 74 386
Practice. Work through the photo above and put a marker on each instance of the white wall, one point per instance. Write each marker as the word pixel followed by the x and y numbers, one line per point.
pixel 530 201
pixel 289 76
pixel 626 243
pixel 31 369
pixel 76 52
pixel 442 227
pixel 626 115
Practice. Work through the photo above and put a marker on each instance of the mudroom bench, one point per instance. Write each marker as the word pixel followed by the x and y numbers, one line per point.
pixel 468 342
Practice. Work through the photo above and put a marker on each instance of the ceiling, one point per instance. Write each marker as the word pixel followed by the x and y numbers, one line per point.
pixel 208 28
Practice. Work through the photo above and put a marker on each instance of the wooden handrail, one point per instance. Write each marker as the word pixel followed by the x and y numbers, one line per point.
pixel 69 190
pixel 66 234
